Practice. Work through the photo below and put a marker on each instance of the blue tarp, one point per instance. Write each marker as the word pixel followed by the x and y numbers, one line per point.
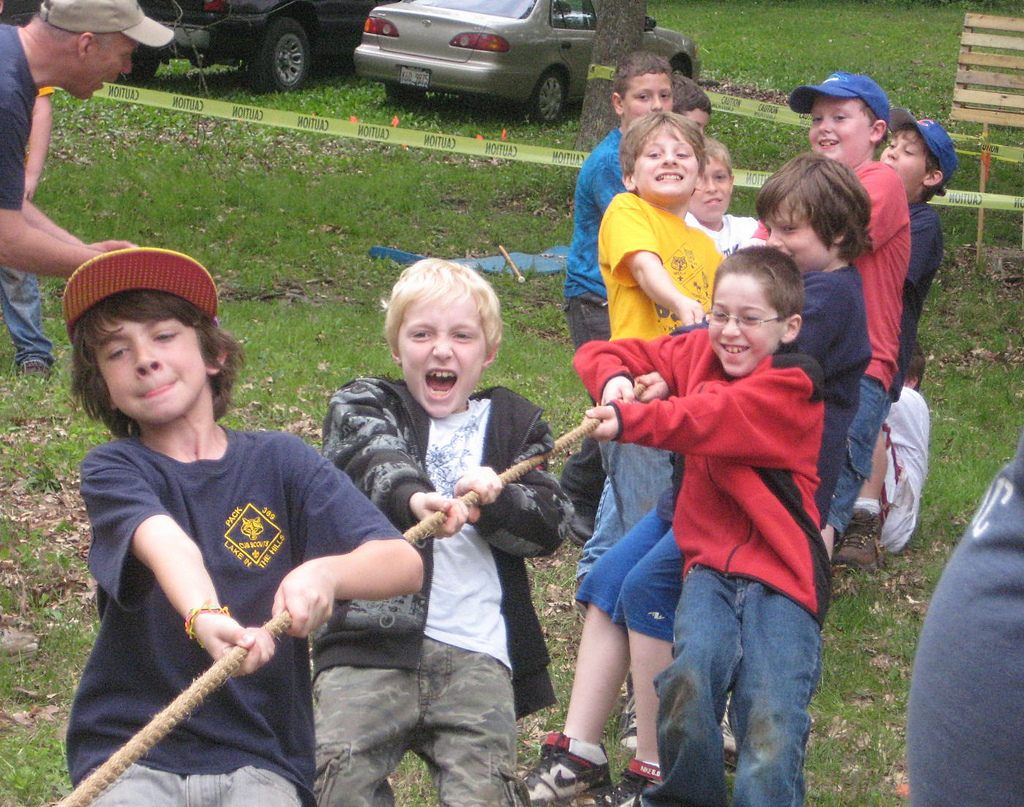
pixel 548 262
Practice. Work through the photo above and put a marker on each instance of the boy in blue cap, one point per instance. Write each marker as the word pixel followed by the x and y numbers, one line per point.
pixel 849 120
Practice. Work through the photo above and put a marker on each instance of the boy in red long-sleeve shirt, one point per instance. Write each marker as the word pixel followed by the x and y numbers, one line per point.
pixel 745 411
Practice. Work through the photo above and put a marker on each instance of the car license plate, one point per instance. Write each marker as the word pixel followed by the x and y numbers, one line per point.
pixel 414 77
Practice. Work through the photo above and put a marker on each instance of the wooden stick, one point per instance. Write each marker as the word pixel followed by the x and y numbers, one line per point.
pixel 512 263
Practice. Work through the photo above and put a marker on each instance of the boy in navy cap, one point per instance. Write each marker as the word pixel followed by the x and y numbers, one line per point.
pixel 922 154
pixel 849 120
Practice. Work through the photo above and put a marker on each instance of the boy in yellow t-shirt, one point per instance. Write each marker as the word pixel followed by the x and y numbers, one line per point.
pixel 658 270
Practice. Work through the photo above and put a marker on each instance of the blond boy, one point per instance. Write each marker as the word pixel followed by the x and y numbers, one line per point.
pixel 444 673
pixel 709 207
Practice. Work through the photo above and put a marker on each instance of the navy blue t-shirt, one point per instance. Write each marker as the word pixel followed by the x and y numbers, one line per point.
pixel 269 504
pixel 17 97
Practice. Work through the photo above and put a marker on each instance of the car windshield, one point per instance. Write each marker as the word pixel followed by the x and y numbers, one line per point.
pixel 513 9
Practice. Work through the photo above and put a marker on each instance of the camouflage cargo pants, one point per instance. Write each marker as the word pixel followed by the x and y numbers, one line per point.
pixel 455 712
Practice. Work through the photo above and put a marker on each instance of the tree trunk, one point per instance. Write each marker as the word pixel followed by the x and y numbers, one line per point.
pixel 620 25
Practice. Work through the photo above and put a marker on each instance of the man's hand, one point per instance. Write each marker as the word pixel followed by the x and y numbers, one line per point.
pixel 110 246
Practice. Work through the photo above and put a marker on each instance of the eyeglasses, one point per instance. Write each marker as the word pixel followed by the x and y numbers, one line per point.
pixel 746 322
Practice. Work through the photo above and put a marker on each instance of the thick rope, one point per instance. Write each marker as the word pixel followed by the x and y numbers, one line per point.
pixel 183 705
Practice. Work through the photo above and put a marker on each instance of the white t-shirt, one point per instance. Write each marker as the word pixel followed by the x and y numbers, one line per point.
pixel 465 594
pixel 735 232
pixel 907 429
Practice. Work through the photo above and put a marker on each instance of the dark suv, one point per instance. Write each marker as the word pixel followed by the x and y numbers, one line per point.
pixel 275 40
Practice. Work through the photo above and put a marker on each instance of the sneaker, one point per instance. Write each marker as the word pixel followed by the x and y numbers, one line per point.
pixel 859 546
pixel 34 368
pixel 627 792
pixel 560 775
pixel 17 643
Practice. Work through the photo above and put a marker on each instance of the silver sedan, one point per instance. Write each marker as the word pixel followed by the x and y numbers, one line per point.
pixel 535 52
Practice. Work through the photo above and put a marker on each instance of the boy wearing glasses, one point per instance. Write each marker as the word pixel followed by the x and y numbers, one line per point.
pixel 745 410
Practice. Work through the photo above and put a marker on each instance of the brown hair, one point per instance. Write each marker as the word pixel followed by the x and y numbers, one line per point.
pixel 637 63
pixel 824 193
pixel 687 95
pixel 642 129
pixel 219 349
pixel 774 270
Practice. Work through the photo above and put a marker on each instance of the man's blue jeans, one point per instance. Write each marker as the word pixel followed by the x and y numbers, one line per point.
pixel 739 635
pixel 22 309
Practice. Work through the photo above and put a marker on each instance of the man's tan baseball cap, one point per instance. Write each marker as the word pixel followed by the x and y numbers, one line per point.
pixel 106 17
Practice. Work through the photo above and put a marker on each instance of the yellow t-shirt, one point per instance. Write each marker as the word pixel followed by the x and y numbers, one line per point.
pixel 632 225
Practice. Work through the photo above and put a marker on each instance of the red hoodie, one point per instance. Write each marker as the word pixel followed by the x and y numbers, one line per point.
pixel 746 505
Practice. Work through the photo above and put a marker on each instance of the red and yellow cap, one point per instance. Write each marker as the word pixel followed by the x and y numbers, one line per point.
pixel 139 268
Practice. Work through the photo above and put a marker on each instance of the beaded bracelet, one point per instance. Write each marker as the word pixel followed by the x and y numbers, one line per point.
pixel 205 608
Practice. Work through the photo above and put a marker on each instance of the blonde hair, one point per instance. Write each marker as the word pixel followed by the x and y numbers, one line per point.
pixel 643 129
pixel 716 150
pixel 440 282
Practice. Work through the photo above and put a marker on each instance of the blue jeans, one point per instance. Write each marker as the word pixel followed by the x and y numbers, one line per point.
pixel 867 423
pixel 636 476
pixel 734 634
pixel 22 309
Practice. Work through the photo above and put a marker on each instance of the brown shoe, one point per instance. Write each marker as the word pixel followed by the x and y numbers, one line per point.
pixel 859 547
pixel 16 643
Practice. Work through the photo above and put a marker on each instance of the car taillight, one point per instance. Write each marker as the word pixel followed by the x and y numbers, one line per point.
pixel 476 41
pixel 380 27
pixel 215 5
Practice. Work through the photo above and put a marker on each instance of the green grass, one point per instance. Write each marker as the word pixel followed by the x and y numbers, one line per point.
pixel 284 220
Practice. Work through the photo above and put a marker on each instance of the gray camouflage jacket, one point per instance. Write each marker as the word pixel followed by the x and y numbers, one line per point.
pixel 377 433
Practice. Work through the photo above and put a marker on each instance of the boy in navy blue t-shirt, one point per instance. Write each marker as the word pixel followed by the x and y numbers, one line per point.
pixel 189 518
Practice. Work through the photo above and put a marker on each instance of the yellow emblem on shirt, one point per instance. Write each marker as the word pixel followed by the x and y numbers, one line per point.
pixel 253 536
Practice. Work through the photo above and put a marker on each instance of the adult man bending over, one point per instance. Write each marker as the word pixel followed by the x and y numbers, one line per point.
pixel 76 45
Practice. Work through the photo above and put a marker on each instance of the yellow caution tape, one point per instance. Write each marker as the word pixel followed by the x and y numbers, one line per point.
pixel 600 71
pixel 392 135
pixel 471 146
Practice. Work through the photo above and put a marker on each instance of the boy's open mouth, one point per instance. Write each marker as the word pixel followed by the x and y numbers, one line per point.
pixel 441 381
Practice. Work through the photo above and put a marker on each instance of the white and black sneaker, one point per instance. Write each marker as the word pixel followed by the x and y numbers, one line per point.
pixel 561 774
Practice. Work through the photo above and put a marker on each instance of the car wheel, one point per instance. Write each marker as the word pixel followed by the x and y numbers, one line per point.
pixel 548 100
pixel 144 65
pixel 282 62
pixel 681 64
